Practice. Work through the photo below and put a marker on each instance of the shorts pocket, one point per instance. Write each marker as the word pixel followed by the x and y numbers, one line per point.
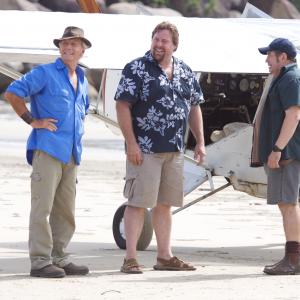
pixel 128 188
pixel 35 176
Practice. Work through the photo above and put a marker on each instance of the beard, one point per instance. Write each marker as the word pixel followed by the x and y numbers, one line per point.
pixel 159 57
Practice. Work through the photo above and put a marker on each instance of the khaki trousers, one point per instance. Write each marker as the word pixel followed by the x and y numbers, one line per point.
pixel 52 216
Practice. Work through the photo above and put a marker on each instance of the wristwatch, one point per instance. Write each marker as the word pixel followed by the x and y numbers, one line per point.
pixel 276 149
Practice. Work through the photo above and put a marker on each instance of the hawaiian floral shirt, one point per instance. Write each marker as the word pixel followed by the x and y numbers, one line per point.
pixel 160 107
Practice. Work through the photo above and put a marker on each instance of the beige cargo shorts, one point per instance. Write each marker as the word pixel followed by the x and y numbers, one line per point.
pixel 159 179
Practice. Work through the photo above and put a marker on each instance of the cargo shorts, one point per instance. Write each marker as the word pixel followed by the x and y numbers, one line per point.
pixel 283 183
pixel 159 179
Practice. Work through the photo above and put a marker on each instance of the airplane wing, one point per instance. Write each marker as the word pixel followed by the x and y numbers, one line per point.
pixel 209 45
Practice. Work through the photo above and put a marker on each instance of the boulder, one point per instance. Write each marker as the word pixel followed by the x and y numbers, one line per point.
pixel 234 14
pixel 239 5
pixel 59 5
pixel 234 4
pixel 281 9
pixel 218 10
pixel 138 8
pixel 284 10
pixel 110 2
pixel 66 5
pixel 187 9
pixel 21 5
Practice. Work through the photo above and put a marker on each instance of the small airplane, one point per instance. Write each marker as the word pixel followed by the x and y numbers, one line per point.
pixel 222 52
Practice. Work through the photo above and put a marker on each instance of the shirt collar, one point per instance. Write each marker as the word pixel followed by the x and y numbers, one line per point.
pixel 288 67
pixel 60 65
pixel 148 56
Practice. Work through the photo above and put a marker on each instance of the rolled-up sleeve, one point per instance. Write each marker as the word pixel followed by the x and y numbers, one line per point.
pixel 29 84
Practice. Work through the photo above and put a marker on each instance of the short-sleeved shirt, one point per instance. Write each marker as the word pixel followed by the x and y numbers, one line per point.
pixel 160 107
pixel 284 93
pixel 52 95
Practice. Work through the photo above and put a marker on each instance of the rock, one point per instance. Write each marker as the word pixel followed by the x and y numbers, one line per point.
pixel 239 5
pixel 187 9
pixel 110 2
pixel 284 10
pixel 59 5
pixel 219 11
pixel 138 8
pixel 234 14
pixel 164 11
pixel 66 5
pixel 21 5
pixel 233 4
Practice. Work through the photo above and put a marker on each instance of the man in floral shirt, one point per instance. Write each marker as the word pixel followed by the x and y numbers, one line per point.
pixel 156 97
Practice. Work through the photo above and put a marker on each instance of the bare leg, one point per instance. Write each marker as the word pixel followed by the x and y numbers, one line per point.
pixel 134 220
pixel 162 224
pixel 291 221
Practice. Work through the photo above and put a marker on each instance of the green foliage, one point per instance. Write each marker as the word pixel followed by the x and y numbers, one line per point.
pixel 154 3
pixel 209 7
pixel 160 3
pixel 191 5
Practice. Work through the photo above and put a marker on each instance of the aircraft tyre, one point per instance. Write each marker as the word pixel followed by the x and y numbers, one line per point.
pixel 119 234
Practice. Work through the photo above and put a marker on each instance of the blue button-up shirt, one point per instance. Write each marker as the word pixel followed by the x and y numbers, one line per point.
pixel 53 96
pixel 160 106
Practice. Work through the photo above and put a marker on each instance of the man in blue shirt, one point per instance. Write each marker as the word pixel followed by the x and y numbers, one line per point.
pixel 59 103
pixel 156 97
pixel 279 147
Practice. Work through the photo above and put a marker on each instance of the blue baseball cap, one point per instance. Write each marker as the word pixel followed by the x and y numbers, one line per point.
pixel 281 45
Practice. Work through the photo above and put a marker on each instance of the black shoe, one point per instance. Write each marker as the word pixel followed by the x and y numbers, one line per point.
pixel 49 271
pixel 72 269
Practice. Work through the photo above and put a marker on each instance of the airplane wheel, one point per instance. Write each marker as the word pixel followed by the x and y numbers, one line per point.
pixel 119 232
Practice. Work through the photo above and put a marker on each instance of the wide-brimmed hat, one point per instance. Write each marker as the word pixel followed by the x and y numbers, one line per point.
pixel 72 32
pixel 281 45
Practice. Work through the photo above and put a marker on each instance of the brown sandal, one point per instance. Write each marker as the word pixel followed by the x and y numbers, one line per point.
pixel 131 266
pixel 173 264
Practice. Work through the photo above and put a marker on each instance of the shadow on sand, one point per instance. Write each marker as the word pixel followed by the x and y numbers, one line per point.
pixel 105 259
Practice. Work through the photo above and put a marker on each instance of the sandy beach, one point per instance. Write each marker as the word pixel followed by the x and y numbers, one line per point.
pixel 229 236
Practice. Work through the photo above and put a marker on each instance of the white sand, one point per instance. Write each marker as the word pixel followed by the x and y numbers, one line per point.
pixel 229 236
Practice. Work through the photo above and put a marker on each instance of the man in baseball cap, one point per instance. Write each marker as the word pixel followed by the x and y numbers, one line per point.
pixel 280 45
pixel 279 148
